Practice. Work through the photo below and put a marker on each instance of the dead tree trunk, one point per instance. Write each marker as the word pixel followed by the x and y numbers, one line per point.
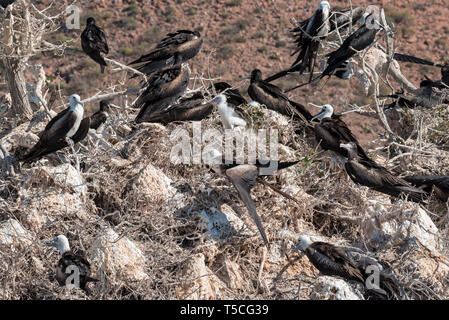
pixel 16 85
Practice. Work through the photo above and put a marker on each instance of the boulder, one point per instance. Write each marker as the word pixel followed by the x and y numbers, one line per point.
pixel 119 257
pixel 199 282
pixel 13 234
pixel 329 288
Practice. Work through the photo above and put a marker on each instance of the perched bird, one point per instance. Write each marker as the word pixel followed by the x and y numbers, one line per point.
pixel 358 41
pixel 187 109
pixel 273 98
pixel 162 89
pixel 311 32
pixel 439 184
pixel 5 3
pixel 185 42
pixel 329 259
pixel 244 178
pixel 376 177
pixel 93 41
pixel 66 128
pixel 332 131
pixel 100 117
pixel 334 261
pixel 228 115
pixel 71 264
pixel 361 39
pixel 441 84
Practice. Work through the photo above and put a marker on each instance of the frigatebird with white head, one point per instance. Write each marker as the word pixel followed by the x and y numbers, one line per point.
pixel 332 131
pixel 70 263
pixel 66 128
pixel 228 115
pixel 332 260
pixel 358 41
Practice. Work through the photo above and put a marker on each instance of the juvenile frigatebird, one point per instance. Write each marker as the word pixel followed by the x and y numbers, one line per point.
pixel 311 32
pixel 93 41
pixel 358 41
pixel 228 115
pixel 244 178
pixel 332 131
pixel 334 261
pixel 73 265
pixel 185 42
pixel 376 177
pixel 439 184
pixel 66 128
pixel 162 89
pixel 273 98
pixel 100 117
pixel 308 34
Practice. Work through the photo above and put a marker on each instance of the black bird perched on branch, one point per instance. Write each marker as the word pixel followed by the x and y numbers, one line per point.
pixel 334 261
pixel 93 41
pixel 5 3
pixel 71 264
pixel 184 42
pixel 100 117
pixel 273 98
pixel 66 128
pixel 358 41
pixel 163 88
pixel 332 131
pixel 376 177
pixel 244 178
pixel 439 184
pixel 310 33
pixel 442 84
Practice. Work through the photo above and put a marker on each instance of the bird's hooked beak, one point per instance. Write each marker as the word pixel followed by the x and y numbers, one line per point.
pixel 114 106
pixel 319 114
pixel 245 78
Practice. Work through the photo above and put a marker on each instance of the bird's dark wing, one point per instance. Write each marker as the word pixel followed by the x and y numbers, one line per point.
pixel 272 90
pixel 412 59
pixel 56 118
pixel 97 39
pixel 176 38
pixel 338 256
pixel 338 128
pixel 43 148
pixel 243 177
pixel 97 119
